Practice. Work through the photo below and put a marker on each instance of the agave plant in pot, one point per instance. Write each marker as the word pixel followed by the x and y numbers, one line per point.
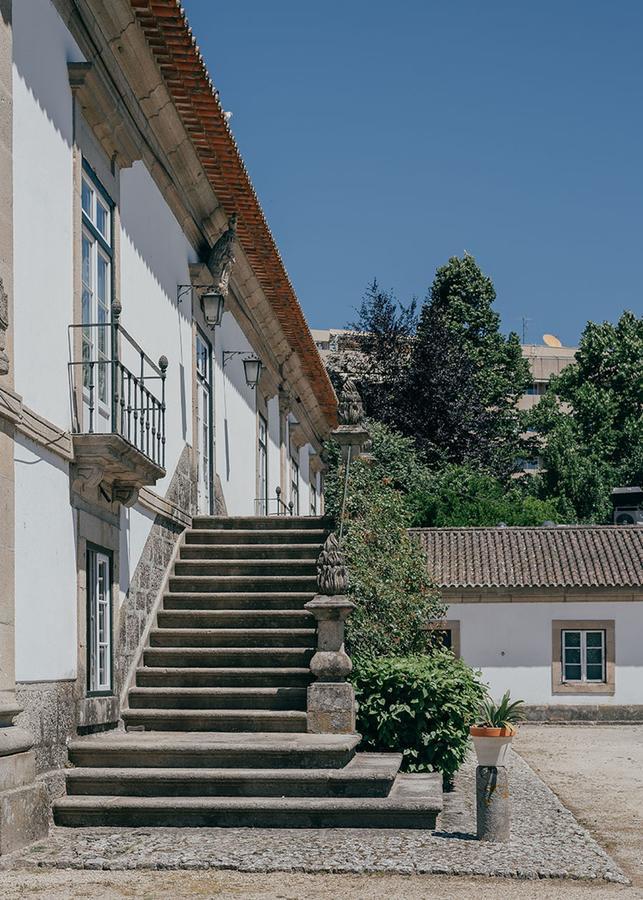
pixel 494 731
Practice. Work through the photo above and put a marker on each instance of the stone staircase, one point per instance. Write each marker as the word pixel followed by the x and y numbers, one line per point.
pixel 216 720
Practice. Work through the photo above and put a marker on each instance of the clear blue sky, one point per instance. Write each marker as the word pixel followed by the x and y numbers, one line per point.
pixel 383 138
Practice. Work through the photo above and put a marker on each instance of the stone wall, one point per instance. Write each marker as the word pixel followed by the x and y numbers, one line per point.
pixel 140 601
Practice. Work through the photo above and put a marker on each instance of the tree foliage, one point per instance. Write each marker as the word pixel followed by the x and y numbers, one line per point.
pixel 461 496
pixel 591 420
pixel 450 380
pixel 389 582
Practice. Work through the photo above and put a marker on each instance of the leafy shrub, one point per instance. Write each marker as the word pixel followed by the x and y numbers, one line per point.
pixel 388 575
pixel 420 706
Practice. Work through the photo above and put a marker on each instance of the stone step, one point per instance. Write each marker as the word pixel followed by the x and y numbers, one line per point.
pixel 264 677
pixel 366 775
pixel 246 537
pixel 217 698
pixel 234 618
pixel 238 600
pixel 413 802
pixel 199 584
pixel 253 552
pixel 246 567
pixel 261 523
pixel 228 657
pixel 260 720
pixel 148 749
pixel 233 637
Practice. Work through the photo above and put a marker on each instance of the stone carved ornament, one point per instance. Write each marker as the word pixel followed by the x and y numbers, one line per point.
pixel 222 258
pixel 350 410
pixel 332 578
pixel 4 325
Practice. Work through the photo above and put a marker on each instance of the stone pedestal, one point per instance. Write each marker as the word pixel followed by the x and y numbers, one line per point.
pixel 493 805
pixel 351 439
pixel 331 699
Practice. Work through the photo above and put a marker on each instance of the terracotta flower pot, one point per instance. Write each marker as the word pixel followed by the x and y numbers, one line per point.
pixel 491 744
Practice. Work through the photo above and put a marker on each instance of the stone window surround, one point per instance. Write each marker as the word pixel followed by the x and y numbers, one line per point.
pixel 95 528
pixel 558 686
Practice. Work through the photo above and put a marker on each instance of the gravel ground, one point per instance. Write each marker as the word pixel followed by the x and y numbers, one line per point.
pixel 597 771
pixel 547 842
pixel 56 884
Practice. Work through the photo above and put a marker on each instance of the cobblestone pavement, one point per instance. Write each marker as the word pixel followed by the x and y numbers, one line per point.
pixel 547 842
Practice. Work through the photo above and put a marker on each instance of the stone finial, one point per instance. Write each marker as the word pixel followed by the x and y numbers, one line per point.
pixel 350 410
pixel 332 578
pixel 222 258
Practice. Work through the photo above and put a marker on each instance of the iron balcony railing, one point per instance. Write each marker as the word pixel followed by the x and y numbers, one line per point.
pixel 274 506
pixel 110 385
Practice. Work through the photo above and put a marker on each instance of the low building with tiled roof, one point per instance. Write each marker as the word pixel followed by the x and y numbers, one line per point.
pixel 554 614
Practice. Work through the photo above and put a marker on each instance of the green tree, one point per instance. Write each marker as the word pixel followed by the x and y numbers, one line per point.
pixel 486 426
pixel 460 496
pixel 591 420
pixel 377 354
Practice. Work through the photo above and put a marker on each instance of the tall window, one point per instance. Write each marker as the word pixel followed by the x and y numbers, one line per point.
pixel 262 466
pixel 204 435
pixel 96 287
pixel 294 486
pixel 99 621
pixel 583 655
pixel 313 497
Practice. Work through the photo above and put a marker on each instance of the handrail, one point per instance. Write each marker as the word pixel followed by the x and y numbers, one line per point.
pixel 135 413
pixel 262 505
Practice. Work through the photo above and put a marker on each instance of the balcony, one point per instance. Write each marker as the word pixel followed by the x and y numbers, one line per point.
pixel 118 412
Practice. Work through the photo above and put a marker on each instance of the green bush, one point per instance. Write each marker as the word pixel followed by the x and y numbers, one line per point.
pixel 388 578
pixel 420 706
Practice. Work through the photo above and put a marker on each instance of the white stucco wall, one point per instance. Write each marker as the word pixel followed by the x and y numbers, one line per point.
pixel 512 644
pixel 42 204
pixel 235 421
pixel 155 256
pixel 46 597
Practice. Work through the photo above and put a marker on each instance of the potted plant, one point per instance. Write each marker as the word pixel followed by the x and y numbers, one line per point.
pixel 495 729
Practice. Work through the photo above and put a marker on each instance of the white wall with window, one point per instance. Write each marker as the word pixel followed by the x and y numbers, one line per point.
pixel 515 647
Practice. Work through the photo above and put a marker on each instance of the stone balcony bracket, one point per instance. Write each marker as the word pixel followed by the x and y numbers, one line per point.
pixel 109 466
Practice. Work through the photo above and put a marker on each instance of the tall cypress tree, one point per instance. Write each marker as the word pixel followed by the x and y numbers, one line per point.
pixel 458 314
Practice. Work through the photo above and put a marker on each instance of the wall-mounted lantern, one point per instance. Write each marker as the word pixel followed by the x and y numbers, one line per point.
pixel 251 366
pixel 212 301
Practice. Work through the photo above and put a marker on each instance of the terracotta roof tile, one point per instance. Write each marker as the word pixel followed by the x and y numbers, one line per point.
pixel 177 55
pixel 559 556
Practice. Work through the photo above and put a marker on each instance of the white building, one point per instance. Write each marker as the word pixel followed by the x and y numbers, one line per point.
pixel 124 408
pixel 553 614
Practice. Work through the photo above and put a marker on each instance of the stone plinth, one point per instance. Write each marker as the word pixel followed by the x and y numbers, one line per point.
pixel 331 699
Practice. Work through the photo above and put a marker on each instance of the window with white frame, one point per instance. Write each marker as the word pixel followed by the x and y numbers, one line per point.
pixel 99 621
pixel 583 655
pixel 262 466
pixel 294 486
pixel 313 496
pixel 96 276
